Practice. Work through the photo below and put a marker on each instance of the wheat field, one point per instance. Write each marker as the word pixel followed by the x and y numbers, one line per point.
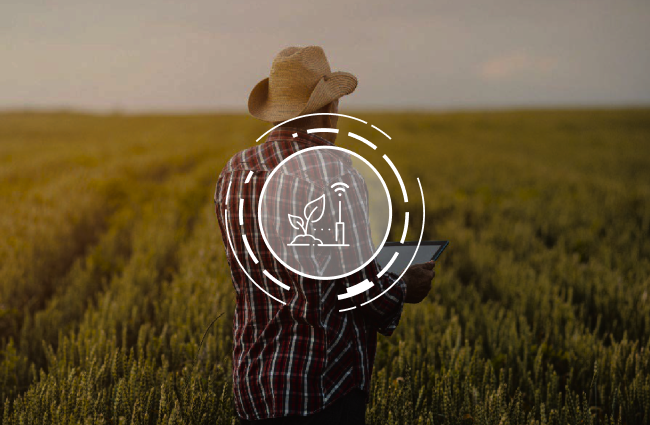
pixel 112 267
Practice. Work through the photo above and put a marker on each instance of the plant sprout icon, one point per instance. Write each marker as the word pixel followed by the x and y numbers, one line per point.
pixel 313 212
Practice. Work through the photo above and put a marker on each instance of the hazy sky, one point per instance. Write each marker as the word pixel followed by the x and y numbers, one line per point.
pixel 199 54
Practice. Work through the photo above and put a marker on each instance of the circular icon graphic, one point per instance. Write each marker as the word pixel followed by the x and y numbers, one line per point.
pixel 316 211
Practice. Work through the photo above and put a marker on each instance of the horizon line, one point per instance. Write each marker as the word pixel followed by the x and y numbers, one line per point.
pixel 361 109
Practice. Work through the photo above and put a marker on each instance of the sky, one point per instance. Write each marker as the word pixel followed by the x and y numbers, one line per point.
pixel 161 55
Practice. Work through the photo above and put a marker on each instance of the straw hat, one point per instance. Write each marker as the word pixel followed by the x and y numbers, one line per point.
pixel 300 83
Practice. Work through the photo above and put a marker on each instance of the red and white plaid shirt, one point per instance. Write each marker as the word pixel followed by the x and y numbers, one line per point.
pixel 298 357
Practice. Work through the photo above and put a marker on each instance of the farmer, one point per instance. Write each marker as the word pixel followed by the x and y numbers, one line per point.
pixel 297 359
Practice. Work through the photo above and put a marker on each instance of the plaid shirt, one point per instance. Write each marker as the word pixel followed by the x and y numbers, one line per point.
pixel 297 354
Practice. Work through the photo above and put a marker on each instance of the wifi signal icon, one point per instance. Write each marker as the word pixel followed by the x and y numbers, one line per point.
pixel 340 187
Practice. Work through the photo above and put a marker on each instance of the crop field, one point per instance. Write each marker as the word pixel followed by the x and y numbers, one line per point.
pixel 112 268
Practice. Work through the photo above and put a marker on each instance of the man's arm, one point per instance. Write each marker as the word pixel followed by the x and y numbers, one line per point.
pixel 383 297
pixel 382 304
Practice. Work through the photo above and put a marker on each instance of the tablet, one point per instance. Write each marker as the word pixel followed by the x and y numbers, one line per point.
pixel 429 250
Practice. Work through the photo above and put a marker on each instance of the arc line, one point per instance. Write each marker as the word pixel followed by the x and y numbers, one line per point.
pixel 248 177
pixel 353 290
pixel 241 211
pixel 381 131
pixel 390 263
pixel 309 115
pixel 234 253
pixel 323 130
pixel 406 226
pixel 248 248
pixel 276 281
pixel 228 192
pixel 361 139
pixel 399 178
pixel 414 254
pixel 347 309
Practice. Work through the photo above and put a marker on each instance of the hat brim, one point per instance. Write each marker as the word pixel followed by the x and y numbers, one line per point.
pixel 328 89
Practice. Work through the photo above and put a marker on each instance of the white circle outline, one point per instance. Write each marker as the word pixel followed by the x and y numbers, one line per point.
pixel 390 212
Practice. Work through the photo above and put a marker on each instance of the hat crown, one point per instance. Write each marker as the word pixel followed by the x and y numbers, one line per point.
pixel 295 72
pixel 300 82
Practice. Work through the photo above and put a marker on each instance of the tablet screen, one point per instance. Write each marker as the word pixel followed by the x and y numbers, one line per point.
pixel 427 251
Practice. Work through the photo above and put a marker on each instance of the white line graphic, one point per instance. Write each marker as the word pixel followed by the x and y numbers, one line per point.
pixel 241 211
pixel 323 130
pixel 309 115
pixel 248 177
pixel 276 281
pixel 248 248
pixel 356 289
pixel 416 248
pixel 399 178
pixel 390 263
pixel 347 309
pixel 381 131
pixel 234 253
pixel 228 192
pixel 361 139
pixel 406 226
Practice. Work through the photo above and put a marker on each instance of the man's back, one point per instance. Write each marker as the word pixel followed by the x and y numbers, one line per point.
pixel 294 351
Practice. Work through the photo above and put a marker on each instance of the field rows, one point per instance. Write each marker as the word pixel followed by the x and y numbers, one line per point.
pixel 539 312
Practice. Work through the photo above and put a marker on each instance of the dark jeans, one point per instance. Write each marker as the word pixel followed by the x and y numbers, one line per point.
pixel 349 410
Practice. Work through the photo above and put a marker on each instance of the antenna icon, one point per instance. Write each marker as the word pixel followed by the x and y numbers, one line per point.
pixel 340 225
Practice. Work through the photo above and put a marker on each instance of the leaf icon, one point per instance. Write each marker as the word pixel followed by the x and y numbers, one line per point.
pixel 315 208
pixel 296 222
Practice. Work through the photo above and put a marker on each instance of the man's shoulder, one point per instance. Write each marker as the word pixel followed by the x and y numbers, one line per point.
pixel 320 167
pixel 262 157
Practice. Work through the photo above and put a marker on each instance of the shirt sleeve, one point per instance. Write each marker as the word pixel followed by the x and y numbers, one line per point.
pixel 387 295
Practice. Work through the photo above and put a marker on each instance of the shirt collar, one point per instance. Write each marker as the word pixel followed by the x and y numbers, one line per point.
pixel 286 133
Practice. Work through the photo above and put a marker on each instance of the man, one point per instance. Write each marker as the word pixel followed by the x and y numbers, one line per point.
pixel 297 358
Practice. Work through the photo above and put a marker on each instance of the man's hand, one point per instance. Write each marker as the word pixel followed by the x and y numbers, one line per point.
pixel 418 279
